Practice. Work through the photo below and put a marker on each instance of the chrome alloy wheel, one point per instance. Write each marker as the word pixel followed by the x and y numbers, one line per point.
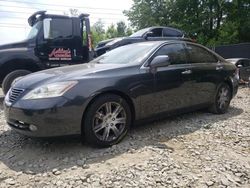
pixel 223 98
pixel 109 121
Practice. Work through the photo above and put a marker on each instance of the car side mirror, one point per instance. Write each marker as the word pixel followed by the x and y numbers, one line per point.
pixel 160 61
pixel 148 34
pixel 239 66
pixel 47 28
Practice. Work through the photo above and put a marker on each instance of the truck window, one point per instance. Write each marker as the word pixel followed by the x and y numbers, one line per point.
pixel 34 30
pixel 61 28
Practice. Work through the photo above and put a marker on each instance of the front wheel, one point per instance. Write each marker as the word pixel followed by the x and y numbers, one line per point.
pixel 222 99
pixel 107 120
pixel 11 77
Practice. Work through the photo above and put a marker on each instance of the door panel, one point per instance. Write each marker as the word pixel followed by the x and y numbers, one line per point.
pixel 206 78
pixel 173 88
pixel 62 46
pixel 207 73
pixel 148 106
pixel 173 84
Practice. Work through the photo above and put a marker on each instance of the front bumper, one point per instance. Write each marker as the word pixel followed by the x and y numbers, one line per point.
pixel 44 117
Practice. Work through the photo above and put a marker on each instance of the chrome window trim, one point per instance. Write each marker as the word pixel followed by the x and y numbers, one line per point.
pixel 145 67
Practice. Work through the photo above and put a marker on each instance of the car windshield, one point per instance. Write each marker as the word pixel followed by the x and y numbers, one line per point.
pixel 34 30
pixel 134 53
pixel 139 33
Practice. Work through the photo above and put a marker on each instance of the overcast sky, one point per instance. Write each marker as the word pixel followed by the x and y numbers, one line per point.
pixel 14 13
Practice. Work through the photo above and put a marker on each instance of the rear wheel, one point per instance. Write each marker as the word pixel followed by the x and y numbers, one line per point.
pixel 222 99
pixel 11 77
pixel 107 120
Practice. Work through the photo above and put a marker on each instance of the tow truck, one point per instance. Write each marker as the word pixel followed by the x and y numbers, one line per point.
pixel 53 41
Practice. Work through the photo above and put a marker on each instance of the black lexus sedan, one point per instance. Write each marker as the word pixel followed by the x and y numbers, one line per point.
pixel 101 99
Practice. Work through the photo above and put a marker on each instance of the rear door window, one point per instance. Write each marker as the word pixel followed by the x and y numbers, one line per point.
pixel 157 32
pixel 167 32
pixel 197 54
pixel 175 52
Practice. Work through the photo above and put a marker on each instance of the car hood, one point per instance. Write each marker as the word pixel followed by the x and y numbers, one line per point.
pixel 73 72
pixel 20 44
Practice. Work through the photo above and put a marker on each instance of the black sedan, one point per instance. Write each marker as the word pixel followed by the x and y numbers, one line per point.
pixel 101 99
pixel 158 33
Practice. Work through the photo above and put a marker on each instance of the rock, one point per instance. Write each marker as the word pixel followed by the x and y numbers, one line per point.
pixel 85 166
pixel 209 183
pixel 224 181
pixel 229 177
pixel 208 158
pixel 30 172
pixel 20 163
pixel 10 181
pixel 59 183
pixel 80 162
pixel 238 174
pixel 19 173
pixel 238 180
pixel 207 169
pixel 56 171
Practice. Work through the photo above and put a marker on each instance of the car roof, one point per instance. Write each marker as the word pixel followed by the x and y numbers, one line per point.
pixel 165 27
pixel 159 42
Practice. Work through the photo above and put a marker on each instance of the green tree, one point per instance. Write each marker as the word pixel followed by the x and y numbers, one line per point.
pixel 212 21
pixel 121 29
pixel 111 32
pixel 145 13
pixel 129 31
pixel 98 32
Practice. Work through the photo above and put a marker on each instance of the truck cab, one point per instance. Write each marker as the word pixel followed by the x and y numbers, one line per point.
pixel 53 41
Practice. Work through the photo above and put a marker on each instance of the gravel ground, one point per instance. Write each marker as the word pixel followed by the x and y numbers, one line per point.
pixel 192 150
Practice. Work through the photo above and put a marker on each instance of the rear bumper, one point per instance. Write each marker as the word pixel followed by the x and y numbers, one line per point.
pixel 44 118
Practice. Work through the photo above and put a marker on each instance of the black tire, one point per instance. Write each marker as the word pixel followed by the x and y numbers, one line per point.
pixel 90 117
pixel 11 77
pixel 219 107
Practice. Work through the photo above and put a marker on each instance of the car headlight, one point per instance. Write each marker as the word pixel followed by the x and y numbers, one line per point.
pixel 50 90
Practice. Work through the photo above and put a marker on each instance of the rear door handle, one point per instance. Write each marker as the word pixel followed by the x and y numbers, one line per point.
pixel 187 72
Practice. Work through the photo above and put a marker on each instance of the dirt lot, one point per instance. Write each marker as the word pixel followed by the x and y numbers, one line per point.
pixel 193 150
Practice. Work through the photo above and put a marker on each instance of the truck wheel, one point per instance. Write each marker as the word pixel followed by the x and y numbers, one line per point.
pixel 8 80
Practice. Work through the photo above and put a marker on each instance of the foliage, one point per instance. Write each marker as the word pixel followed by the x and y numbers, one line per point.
pixel 98 32
pixel 119 30
pixel 111 32
pixel 212 22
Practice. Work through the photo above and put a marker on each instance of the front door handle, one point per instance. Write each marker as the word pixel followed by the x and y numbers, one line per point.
pixel 219 68
pixel 187 72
